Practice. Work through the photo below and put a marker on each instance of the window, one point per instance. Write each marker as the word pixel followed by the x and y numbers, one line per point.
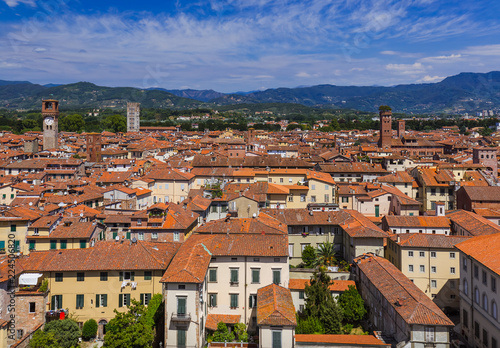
pixel 421 254
pixel 252 301
pixel 290 198
pixel 13 228
pixel 422 268
pixel 485 302
pixel 32 307
pixel 255 275
pixel 302 197
pixel 234 300
pixel 80 277
pixel 464 263
pixel 410 253
pixel 140 236
pixel 181 306
pixel 345 199
pixel 56 302
pixel 145 298
pixel 433 254
pixel 452 270
pixel 476 272
pixel 59 277
pixel 281 180
pixel 433 284
pixel 485 338
pixel 410 268
pixel 313 199
pixel 104 276
pixel 154 235
pixel 212 275
pixel 327 198
pixel 301 295
pixel 115 234
pixel 476 329
pixel 476 295
pixel 234 276
pixel 466 287
pixel 433 269
pixel 32 244
pixel 485 277
pixel 181 287
pixel 493 284
pixel 79 301
pixel 465 318
pixel 181 338
pixel 101 300
pixel 301 308
pixel 127 276
pixel 53 244
pixel 494 309
pixel 429 334
pixel 290 250
pixel 277 276
pixel 20 334
pixel 452 255
pixel 147 275
pixel 63 243
pixel 212 300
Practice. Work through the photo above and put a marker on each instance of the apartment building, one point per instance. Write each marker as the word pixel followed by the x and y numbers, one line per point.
pixel 171 185
pixel 479 293
pixel 219 275
pixel 431 262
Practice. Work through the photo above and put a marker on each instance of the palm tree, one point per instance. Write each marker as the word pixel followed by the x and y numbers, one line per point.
pixel 325 254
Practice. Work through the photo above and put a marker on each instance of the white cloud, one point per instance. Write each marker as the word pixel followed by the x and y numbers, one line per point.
pixel 485 50
pixel 407 69
pixel 441 58
pixel 431 79
pixel 14 3
pixel 303 74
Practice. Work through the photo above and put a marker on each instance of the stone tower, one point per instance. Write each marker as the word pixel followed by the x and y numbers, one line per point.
pixel 401 128
pixel 133 117
pixel 487 156
pixel 50 114
pixel 385 115
pixel 94 147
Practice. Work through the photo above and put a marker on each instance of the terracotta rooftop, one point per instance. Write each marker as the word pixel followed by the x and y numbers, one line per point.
pixel 484 249
pixel 214 319
pixel 341 340
pixel 337 286
pixel 275 306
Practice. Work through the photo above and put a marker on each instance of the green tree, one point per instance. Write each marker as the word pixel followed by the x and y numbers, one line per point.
pixel 309 326
pixel 320 303
pixel 222 334
pixel 66 332
pixel 352 305
pixel 89 330
pixel 115 123
pixel 152 312
pixel 72 123
pixel 308 256
pixel 325 254
pixel 241 331
pixel 129 329
pixel 42 339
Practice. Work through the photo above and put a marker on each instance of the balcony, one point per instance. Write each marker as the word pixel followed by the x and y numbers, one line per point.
pixel 181 317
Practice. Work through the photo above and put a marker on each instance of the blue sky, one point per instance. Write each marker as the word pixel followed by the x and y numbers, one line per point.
pixel 242 45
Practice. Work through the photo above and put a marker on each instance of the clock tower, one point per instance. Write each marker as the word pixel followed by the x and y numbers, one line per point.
pixel 50 113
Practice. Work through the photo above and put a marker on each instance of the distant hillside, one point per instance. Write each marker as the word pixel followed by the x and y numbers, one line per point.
pixel 201 95
pixel 85 94
pixel 466 92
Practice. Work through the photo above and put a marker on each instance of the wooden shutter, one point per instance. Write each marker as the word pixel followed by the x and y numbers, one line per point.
pixel 97 301
pixel 104 300
pixel 120 299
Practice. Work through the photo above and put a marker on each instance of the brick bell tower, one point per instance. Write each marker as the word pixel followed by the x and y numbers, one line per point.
pixel 385 114
pixel 50 114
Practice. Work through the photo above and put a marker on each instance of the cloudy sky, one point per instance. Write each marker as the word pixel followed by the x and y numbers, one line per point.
pixel 243 45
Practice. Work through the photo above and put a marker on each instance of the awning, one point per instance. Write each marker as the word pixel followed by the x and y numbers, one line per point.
pixel 29 278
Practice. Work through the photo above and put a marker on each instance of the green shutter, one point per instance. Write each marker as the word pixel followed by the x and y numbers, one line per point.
pixel 181 305
pixel 2 244
pixel 114 235
pixel 301 295
pixel 127 300
pixel 59 302
pixel 83 244
pixel 104 300
pixel 120 300
pixel 53 244
pixel 32 245
pixel 16 245
pixel 181 338
pixel 97 302
pixel 276 277
pixel 63 244
pixel 234 276
pixel 13 228
pixel 121 276
pixel 142 299
pixel 132 276
pixel 79 301
pixel 276 339
pixel 212 275
pixel 53 303
pixel 250 301
pixel 255 275
pixel 234 300
pixel 147 275
pixel 128 235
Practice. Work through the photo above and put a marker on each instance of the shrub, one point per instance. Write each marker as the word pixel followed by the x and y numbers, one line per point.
pixel 89 329
pixel 222 333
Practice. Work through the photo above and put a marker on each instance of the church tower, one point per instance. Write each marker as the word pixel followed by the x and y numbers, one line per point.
pixel 50 114
pixel 385 114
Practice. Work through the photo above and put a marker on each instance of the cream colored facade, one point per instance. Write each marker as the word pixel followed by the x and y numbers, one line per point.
pixel 435 270
pixel 13 235
pixel 92 288
pixel 7 194
pixel 301 236
pixel 164 191
pixel 286 334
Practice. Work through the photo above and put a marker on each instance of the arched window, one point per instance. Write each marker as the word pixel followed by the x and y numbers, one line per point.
pixel 494 310
pixel 476 295
pixel 466 287
pixel 485 302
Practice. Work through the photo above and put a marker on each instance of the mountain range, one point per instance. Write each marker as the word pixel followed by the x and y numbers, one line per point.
pixel 465 92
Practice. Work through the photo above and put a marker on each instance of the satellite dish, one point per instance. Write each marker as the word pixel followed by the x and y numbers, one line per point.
pixel 134 240
pixel 75 202
pixel 117 238
pixel 81 214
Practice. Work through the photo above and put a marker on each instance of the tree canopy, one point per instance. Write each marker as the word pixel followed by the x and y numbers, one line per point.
pixel 352 305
